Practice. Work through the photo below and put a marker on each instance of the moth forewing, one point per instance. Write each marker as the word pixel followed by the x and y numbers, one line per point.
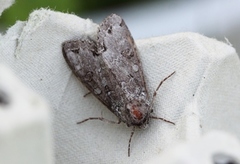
pixel 110 68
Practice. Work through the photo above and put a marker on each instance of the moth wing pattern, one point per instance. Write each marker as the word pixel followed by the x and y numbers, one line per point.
pixel 122 60
pixel 88 66
pixel 110 68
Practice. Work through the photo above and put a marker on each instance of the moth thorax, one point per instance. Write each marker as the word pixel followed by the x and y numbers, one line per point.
pixel 138 112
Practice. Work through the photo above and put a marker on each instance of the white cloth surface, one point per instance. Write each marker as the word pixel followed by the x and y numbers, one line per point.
pixel 202 96
pixel 215 147
pixel 5 4
pixel 25 131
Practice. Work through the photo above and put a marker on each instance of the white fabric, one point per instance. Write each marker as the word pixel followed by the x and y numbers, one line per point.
pixel 202 96
pixel 5 4
pixel 25 131
pixel 213 148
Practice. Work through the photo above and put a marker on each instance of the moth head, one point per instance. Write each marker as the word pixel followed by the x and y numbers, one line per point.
pixel 138 113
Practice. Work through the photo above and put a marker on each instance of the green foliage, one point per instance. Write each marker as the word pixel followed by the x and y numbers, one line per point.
pixel 22 8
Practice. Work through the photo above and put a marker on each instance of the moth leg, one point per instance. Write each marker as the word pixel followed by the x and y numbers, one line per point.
pixel 88 93
pixel 101 119
pixel 130 139
pixel 155 92
pixel 154 95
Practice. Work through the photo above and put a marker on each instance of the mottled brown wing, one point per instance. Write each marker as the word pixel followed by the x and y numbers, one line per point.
pixel 120 55
pixel 83 60
pixel 88 66
pixel 110 69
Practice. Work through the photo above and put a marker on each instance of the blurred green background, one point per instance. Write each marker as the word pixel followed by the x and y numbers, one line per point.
pixel 145 18
pixel 21 9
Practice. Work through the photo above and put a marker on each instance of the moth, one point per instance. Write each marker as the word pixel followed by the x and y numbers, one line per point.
pixel 111 70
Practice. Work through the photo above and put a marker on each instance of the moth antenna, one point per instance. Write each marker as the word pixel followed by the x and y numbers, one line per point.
pixel 155 92
pixel 130 139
